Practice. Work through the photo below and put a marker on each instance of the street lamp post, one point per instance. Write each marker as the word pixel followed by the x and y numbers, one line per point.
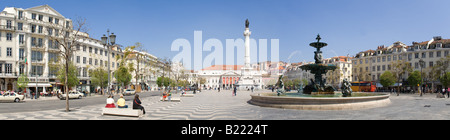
pixel 422 64
pixel 109 42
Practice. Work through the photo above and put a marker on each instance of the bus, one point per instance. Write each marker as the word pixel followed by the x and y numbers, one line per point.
pixel 364 86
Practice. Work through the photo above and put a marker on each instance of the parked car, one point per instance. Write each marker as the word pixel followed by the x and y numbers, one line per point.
pixel 72 95
pixel 11 97
pixel 129 92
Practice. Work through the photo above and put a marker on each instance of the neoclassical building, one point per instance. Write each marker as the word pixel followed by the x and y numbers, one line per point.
pixel 369 65
pixel 225 76
pixel 27 46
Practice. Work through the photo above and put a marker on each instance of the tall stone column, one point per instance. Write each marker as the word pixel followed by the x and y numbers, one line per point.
pixel 247 34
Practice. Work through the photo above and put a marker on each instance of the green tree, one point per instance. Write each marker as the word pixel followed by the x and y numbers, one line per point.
pixel 445 80
pixel 122 75
pixel 163 81
pixel 399 68
pixel 72 79
pixel 387 79
pixel 415 78
pixel 22 82
pixel 99 77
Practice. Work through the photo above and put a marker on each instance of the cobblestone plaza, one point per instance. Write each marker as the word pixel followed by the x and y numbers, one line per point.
pixel 213 105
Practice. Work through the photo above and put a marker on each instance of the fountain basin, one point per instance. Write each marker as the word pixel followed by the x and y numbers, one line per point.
pixel 311 102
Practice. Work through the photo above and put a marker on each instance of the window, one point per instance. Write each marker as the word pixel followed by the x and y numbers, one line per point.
pixel 37 70
pixel 40 42
pixel 9 51
pixel 50 19
pixel 33 41
pixel 8 68
pixel 52 57
pixel 67 24
pixel 424 55
pixel 96 62
pixel 1 67
pixel 101 52
pixel 431 54
pixel 40 28
pixel 20 14
pixel 21 54
pixel 416 55
pixel 50 44
pixel 438 54
pixel 84 48
pixel 21 69
pixel 50 31
pixel 389 58
pixel 33 16
pixel 9 36
pixel 95 50
pixel 56 21
pixel 90 61
pixel 20 26
pixel 41 17
pixel 90 49
pixel 416 65
pixel 84 60
pixel 431 63
pixel 36 56
pixel 78 59
pixel 33 28
pixel 85 72
pixel 9 24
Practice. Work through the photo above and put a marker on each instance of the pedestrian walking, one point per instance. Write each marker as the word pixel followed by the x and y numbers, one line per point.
pixel 137 103
pixel 234 91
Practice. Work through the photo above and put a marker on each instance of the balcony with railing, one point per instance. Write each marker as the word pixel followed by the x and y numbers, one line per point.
pixel 7 27
pixel 8 74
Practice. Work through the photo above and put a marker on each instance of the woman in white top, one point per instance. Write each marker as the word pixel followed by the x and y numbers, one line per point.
pixel 110 102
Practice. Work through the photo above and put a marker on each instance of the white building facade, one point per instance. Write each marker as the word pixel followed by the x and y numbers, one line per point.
pixel 27 47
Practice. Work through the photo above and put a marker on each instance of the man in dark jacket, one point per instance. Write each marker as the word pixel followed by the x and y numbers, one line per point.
pixel 137 103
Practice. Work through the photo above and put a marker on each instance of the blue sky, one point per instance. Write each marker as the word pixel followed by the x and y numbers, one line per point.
pixel 348 26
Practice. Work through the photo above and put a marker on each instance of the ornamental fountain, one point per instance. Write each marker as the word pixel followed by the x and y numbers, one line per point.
pixel 318 95
pixel 318 85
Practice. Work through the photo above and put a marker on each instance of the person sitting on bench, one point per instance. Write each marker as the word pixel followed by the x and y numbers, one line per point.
pixel 110 102
pixel 121 102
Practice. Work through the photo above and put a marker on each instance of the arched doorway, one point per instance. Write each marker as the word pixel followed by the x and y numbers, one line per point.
pixel 9 86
